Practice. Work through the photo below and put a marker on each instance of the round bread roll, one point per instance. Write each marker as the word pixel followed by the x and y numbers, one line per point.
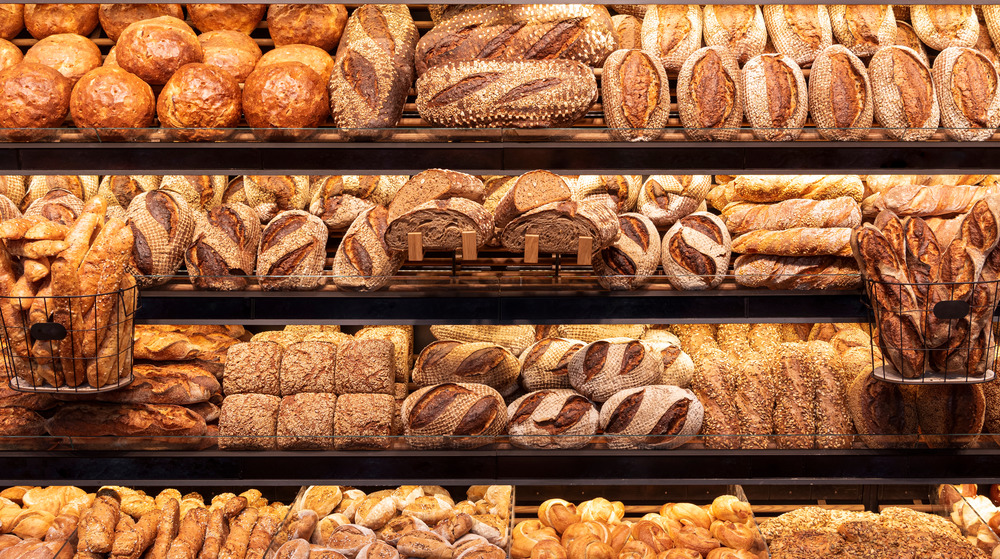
pixel 9 54
pixel 154 49
pixel 11 20
pixel 32 96
pixel 312 24
pixel 43 20
pixel 232 17
pixel 284 96
pixel 604 367
pixel 314 57
pixel 234 52
pixel 200 96
pixel 72 55
pixel 115 102
pixel 696 251
pixel 552 419
pixel 116 17
pixel 657 416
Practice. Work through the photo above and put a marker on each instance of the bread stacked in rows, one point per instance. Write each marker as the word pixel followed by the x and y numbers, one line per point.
pixel 314 387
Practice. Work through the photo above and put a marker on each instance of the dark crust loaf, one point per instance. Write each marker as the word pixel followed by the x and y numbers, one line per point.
pixel 319 25
pixel 285 95
pixel 43 20
pixel 94 104
pixel 162 224
pixel 882 414
pixel 32 96
pixel 306 421
pixel 116 17
pixel 709 96
pixel 636 95
pixel 516 94
pixel 552 419
pixel 632 260
pixel 125 420
pixel 235 17
pixel 525 32
pixel 223 251
pixel 154 49
pixel 363 260
pixel 200 96
pixel 365 366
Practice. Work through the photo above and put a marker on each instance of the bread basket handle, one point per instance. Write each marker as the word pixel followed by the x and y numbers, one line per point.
pixel 950 310
pixel 47 331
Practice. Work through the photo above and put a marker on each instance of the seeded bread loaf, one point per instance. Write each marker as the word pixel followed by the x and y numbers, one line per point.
pixel 308 367
pixel 366 366
pixel 554 418
pixel 305 422
pixel 511 94
pixel 636 95
pixel 223 252
pixel 480 362
pixel 292 252
pixel 546 363
pixel 946 25
pixel 253 368
pixel 249 422
pixel 602 368
pixel 775 98
pixel 795 399
pixel 401 338
pixel 739 28
pixel 863 29
pixel 454 416
pixel 559 225
pixel 906 105
pixel 363 261
pixel 883 415
pixel 162 225
pixel 632 260
pixel 969 96
pixel 695 252
pixel 800 31
pixel 714 385
pixel 363 421
pixel 834 428
pixel 672 32
pixel 840 95
pixel 441 224
pixel 709 95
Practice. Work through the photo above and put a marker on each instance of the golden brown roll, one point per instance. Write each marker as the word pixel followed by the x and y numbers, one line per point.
pixel 285 96
pixel 32 96
pixel 233 17
pixel 116 17
pixel 312 24
pixel 11 20
pixel 200 96
pixel 314 57
pixel 113 101
pixel 72 55
pixel 155 48
pixel 43 20
pixel 9 54
pixel 234 52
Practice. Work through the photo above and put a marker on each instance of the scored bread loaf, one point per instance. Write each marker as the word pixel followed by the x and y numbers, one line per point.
pixel 796 272
pixel 863 28
pixel 594 332
pixel 602 368
pixel 928 200
pixel 623 189
pixel 635 94
pixel 441 224
pixel 883 416
pixel 559 225
pixel 905 101
pixel 714 385
pixel 162 225
pixel 795 400
pixel 481 362
pixel 339 199
pixel 118 190
pixel 546 363
pixel 907 37
pixel 664 198
pixel 13 187
pixel 775 98
pixel 798 241
pixel 969 96
pixel 223 251
pixel 202 192
pixel 800 31
pixel 775 188
pixel 695 252
pixel 579 32
pixel 463 415
pixel 951 415
pixel 373 70
pixel 124 426
pixel 83 187
pixel 292 252
pixel 628 31
pixel 166 383
pixel 672 32
pixel 709 95
pixel 943 26
pixel 651 417
pixel 60 206
pixel 555 418
pixel 515 337
pixel 840 95
pixel 739 28
pixel 744 217
pixel 363 262
pixel 272 194
pixel 834 428
pixel 632 260
pixel 506 94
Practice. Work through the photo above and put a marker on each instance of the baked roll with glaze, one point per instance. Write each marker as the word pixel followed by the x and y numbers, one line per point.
pixel 72 55
pixel 292 252
pixel 320 25
pixel 695 252
pixel 217 17
pixel 154 49
pixel 775 98
pixel 11 20
pixel 43 20
pixel 92 106
pixel 201 101
pixel 651 417
pixel 115 18
pixel 709 96
pixel 234 52
pixel 32 96
pixel 552 419
pixel 636 95
pixel 285 101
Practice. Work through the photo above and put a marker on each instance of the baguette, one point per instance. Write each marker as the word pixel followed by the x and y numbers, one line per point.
pixel 943 26
pixel 800 31
pixel 924 201
pixel 739 28
pixel 969 95
pixel 840 95
pixel 672 33
pixel 799 241
pixel 792 272
pixel 923 256
pixel 709 95
pixel 905 101
pixel 744 217
pixel 775 98
pixel 863 28
pixel 636 95
pixel 775 188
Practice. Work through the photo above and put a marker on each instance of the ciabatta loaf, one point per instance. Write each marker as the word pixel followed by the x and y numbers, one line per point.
pixel 672 32
pixel 863 28
pixel 632 260
pixel 709 97
pixel 969 96
pixel 906 104
pixel 739 28
pixel 840 95
pixel 945 25
pixel 695 252
pixel 800 31
pixel 636 95
pixel 775 98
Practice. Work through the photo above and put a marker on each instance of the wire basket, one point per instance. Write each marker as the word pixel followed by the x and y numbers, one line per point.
pixel 934 332
pixel 70 344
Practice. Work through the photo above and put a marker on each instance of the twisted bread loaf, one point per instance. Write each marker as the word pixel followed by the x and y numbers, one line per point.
pixel 666 198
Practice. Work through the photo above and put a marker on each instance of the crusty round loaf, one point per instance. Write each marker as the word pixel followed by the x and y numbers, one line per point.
pixel 57 205
pixel 115 102
pixel 696 252
pixel 285 101
pixel 546 363
pixel 515 337
pixel 863 29
pixel 558 418
pixel 119 190
pixel 678 367
pixel 116 17
pixel 32 96
pixel 595 332
pixel 604 367
pixel 991 19
pixel 292 252
pixel 82 187
pixel 636 95
pixel 970 97
pixel 269 195
pixel 740 28
pixel 312 24
pixel 463 415
pixel 658 416
pixel 339 199
pixel 363 261
pixel 883 416
pixel 43 20
pixel 441 224
pixel 9 54
pixel 800 31
pixel 632 260
pixel 234 52
pixel 223 250
pixel 154 49
pixel 840 95
pixel 907 37
pixel 672 32
pixel 946 25
pixel 219 17
pixel 202 192
pixel 664 200
pixel 628 30
pixel 72 55
pixel 201 101
pixel 11 20
pixel 709 97
pixel 162 225
pixel 481 362
pixel 314 57
pixel 898 73
pixel 775 98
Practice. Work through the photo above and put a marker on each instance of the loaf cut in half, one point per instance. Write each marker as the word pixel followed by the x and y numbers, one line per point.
pixel 441 224
pixel 529 191
pixel 555 418
pixel 969 96
pixel 906 105
pixel 840 95
pixel 433 184
pixel 775 98
pixel 636 95
pixel 632 260
pixel 739 28
pixel 651 417
pixel 709 96
pixel 695 252
pixel 559 226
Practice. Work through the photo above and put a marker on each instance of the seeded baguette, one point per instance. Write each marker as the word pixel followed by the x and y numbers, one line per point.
pixel 740 28
pixel 709 96
pixel 946 25
pixel 840 95
pixel 970 96
pixel 863 29
pixel 800 31
pixel 775 98
pixel 636 95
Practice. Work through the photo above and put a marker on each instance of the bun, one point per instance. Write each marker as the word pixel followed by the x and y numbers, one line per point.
pixel 775 98
pixel 672 32
pixel 243 18
pixel 43 20
pixel 11 20
pixel 232 51
pixel 709 95
pixel 93 106
pixel 283 96
pixel 116 17
pixel 314 57
pixel 202 101
pixel 840 95
pixel 32 96
pixel 636 96
pixel 898 74
pixel 739 28
pixel 72 55
pixel 154 49
pixel 320 25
